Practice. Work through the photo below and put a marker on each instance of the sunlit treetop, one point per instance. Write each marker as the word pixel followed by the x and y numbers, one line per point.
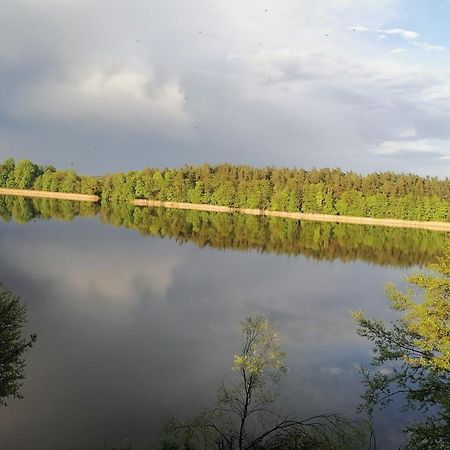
pixel 427 317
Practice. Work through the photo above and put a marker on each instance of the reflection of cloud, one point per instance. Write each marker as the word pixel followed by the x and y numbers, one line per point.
pixel 110 278
pixel 335 371
pixel 123 283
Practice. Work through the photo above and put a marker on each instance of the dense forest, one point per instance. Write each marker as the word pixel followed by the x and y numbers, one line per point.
pixel 327 191
pixel 321 241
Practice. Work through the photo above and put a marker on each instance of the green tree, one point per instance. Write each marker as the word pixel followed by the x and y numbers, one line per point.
pixel 412 357
pixel 7 172
pixel 243 418
pixel 12 344
pixel 428 317
pixel 25 173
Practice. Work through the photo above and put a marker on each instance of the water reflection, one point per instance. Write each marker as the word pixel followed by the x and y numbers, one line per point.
pixel 23 210
pixel 133 329
pixel 322 241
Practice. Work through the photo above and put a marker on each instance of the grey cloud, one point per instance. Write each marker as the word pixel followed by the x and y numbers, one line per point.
pixel 151 84
pixel 405 154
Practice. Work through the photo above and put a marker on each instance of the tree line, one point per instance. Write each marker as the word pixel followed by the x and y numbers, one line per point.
pixel 325 191
pixel 27 175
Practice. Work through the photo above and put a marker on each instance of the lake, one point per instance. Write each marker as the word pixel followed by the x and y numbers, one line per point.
pixel 138 311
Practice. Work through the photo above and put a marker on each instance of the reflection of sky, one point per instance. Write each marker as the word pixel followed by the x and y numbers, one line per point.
pixel 132 329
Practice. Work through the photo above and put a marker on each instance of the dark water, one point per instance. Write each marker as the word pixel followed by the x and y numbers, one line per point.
pixel 133 328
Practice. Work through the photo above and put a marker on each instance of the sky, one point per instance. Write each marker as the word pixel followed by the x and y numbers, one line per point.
pixel 115 85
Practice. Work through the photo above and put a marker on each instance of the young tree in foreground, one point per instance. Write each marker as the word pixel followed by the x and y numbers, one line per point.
pixel 243 418
pixel 12 345
pixel 413 355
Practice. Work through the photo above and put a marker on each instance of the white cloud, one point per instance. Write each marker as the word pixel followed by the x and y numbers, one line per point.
pixel 123 96
pixel 427 46
pixel 398 50
pixel 408 132
pixel 69 78
pixel 405 34
pixel 418 146
pixel 437 92
pixel 359 28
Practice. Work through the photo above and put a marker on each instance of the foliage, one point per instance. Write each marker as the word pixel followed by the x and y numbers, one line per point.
pixel 243 418
pixel 412 356
pixel 12 345
pixel 326 191
pixel 428 320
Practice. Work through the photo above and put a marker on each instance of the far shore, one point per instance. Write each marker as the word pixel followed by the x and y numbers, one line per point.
pixel 397 223
pixel 49 194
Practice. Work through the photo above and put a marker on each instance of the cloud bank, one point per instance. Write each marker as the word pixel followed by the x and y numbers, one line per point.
pixel 283 83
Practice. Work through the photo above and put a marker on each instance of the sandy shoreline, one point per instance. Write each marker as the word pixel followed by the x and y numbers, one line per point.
pixel 398 223
pixel 48 194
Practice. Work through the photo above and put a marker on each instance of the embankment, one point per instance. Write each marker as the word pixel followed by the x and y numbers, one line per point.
pixel 398 223
pixel 48 194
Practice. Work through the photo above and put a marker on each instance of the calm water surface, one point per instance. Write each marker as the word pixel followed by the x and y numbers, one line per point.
pixel 133 329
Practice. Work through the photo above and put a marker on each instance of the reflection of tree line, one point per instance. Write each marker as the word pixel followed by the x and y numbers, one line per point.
pixel 324 241
pixel 23 210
